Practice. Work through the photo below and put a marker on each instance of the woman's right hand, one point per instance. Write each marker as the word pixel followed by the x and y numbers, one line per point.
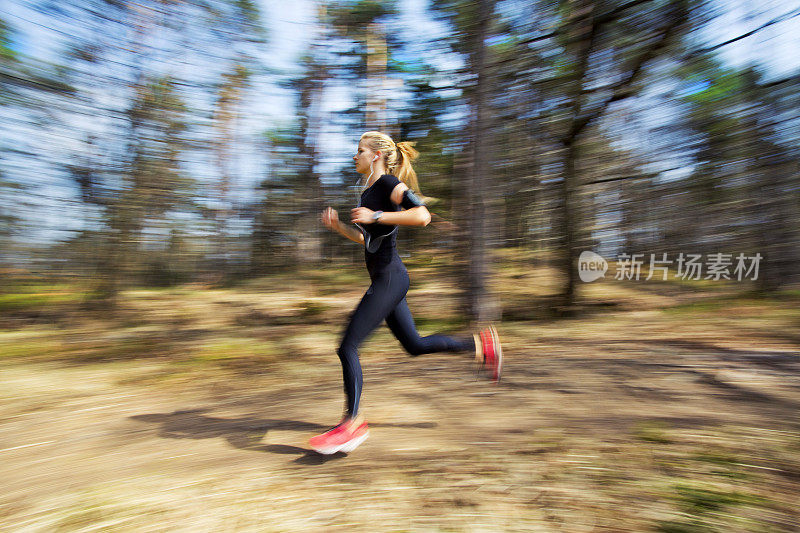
pixel 330 218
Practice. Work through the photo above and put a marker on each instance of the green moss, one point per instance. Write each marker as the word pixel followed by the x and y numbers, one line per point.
pixel 652 431
pixel 697 499
pixel 311 309
pixel 236 351
pixel 693 526
pixel 21 301
pixel 29 348
pixel 440 324
pixel 717 458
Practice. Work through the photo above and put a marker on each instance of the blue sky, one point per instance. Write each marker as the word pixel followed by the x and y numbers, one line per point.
pixel 776 48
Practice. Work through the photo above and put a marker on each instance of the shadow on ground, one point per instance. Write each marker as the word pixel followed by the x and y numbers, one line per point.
pixel 246 433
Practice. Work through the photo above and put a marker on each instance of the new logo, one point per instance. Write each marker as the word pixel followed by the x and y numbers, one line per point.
pixel 591 266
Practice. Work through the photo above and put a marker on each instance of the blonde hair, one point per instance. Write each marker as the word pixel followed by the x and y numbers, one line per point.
pixel 396 157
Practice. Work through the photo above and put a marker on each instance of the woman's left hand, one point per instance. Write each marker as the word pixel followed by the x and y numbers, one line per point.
pixel 362 215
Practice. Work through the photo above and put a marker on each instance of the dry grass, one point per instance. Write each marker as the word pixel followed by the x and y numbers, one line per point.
pixel 656 407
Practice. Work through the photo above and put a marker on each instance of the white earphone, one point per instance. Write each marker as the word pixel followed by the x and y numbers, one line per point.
pixel 372 171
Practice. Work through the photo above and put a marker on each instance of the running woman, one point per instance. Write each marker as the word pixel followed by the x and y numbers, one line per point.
pixel 387 201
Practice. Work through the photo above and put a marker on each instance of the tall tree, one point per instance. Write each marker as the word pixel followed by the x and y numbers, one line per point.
pixel 482 308
pixel 361 22
pixel 471 23
pixel 606 48
pixel 226 114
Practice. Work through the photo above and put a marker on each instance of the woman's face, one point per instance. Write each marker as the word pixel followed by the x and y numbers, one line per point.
pixel 363 158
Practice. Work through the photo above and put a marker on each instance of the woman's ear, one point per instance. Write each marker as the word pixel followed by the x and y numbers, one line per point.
pixel 377 156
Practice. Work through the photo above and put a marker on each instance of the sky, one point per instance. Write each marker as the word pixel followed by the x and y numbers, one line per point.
pixel 776 48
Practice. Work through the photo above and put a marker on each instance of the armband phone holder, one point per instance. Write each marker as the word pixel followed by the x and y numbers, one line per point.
pixel 411 200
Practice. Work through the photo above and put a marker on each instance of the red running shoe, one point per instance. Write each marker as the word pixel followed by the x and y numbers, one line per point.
pixel 345 437
pixel 491 353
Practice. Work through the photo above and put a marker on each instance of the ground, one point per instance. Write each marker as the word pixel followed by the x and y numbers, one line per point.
pixel 656 407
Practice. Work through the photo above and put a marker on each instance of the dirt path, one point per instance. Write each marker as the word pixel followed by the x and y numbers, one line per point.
pixel 610 433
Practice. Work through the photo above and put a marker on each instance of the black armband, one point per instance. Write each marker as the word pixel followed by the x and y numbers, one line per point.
pixel 411 200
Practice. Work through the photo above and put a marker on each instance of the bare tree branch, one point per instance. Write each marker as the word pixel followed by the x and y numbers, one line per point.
pixel 622 89
pixel 776 20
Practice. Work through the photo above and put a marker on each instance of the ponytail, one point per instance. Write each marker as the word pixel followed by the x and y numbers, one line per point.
pixel 402 167
pixel 397 158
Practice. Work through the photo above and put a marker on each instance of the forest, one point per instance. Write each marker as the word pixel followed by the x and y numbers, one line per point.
pixel 614 183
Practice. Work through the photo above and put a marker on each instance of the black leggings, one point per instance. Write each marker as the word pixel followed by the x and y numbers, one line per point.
pixel 386 300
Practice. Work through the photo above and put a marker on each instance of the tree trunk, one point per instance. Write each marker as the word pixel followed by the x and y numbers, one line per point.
pixel 481 308
pixel 569 224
